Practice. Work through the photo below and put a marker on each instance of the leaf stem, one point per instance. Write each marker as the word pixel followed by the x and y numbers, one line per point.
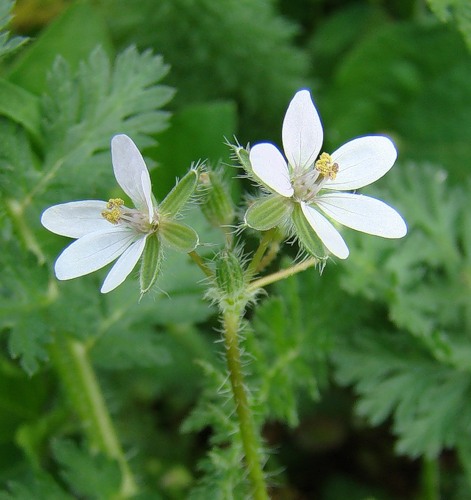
pixel 80 382
pixel 231 322
pixel 284 273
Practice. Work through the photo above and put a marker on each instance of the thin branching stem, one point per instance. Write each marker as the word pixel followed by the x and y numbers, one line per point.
pixel 201 264
pixel 284 273
pixel 267 238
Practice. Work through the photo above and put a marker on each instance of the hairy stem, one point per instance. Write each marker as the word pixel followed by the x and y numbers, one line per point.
pixel 284 273
pixel 79 380
pixel 250 441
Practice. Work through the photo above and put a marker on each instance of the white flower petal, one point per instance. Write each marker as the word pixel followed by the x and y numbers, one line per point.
pixel 124 265
pixel 92 252
pixel 363 213
pixel 270 167
pixel 326 232
pixel 302 131
pixel 131 172
pixel 75 219
pixel 361 162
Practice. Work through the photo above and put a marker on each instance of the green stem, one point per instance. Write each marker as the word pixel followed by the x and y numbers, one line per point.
pixel 284 273
pixel 253 267
pixel 231 320
pixel 430 479
pixel 201 264
pixel 80 382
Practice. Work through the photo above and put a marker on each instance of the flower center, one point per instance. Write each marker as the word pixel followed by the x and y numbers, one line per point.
pixel 326 166
pixel 113 210
pixel 116 213
pixel 307 183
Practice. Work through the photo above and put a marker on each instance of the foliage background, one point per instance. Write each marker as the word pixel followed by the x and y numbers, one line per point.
pixel 361 375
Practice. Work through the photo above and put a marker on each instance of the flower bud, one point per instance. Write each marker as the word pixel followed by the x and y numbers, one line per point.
pixel 217 207
pixel 230 278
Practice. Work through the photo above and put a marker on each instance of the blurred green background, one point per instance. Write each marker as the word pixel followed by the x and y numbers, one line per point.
pixel 376 400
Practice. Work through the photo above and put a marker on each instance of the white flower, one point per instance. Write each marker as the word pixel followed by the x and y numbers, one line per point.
pixel 104 230
pixel 318 184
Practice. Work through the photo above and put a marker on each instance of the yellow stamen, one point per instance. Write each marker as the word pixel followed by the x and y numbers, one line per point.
pixel 326 166
pixel 113 212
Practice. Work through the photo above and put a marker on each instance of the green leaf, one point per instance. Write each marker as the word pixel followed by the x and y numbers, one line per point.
pixel 126 349
pixel 28 340
pixel 8 44
pixel 22 107
pixel 95 477
pixel 395 376
pixel 79 22
pixel 268 212
pixel 399 67
pixel 41 486
pixel 83 111
pixel 457 11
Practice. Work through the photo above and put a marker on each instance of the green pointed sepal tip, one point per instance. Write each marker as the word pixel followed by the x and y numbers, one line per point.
pixel 150 263
pixel 180 194
pixel 178 236
pixel 269 212
pixel 306 235
pixel 244 158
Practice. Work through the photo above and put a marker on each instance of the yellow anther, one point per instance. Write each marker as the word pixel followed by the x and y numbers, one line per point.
pixel 326 166
pixel 114 203
pixel 113 212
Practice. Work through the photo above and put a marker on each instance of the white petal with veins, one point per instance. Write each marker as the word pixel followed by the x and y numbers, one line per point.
pixel 75 219
pixel 270 167
pixel 361 162
pixel 131 172
pixel 93 251
pixel 363 213
pixel 302 132
pixel 124 265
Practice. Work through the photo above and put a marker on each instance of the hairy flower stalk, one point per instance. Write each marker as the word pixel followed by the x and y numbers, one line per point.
pixel 250 440
pixel 232 294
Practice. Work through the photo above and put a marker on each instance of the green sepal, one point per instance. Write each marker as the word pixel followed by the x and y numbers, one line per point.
pixel 180 194
pixel 269 212
pixel 178 236
pixel 244 158
pixel 306 235
pixel 150 263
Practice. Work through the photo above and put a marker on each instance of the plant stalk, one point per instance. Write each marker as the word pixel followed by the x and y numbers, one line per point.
pixel 80 382
pixel 250 441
